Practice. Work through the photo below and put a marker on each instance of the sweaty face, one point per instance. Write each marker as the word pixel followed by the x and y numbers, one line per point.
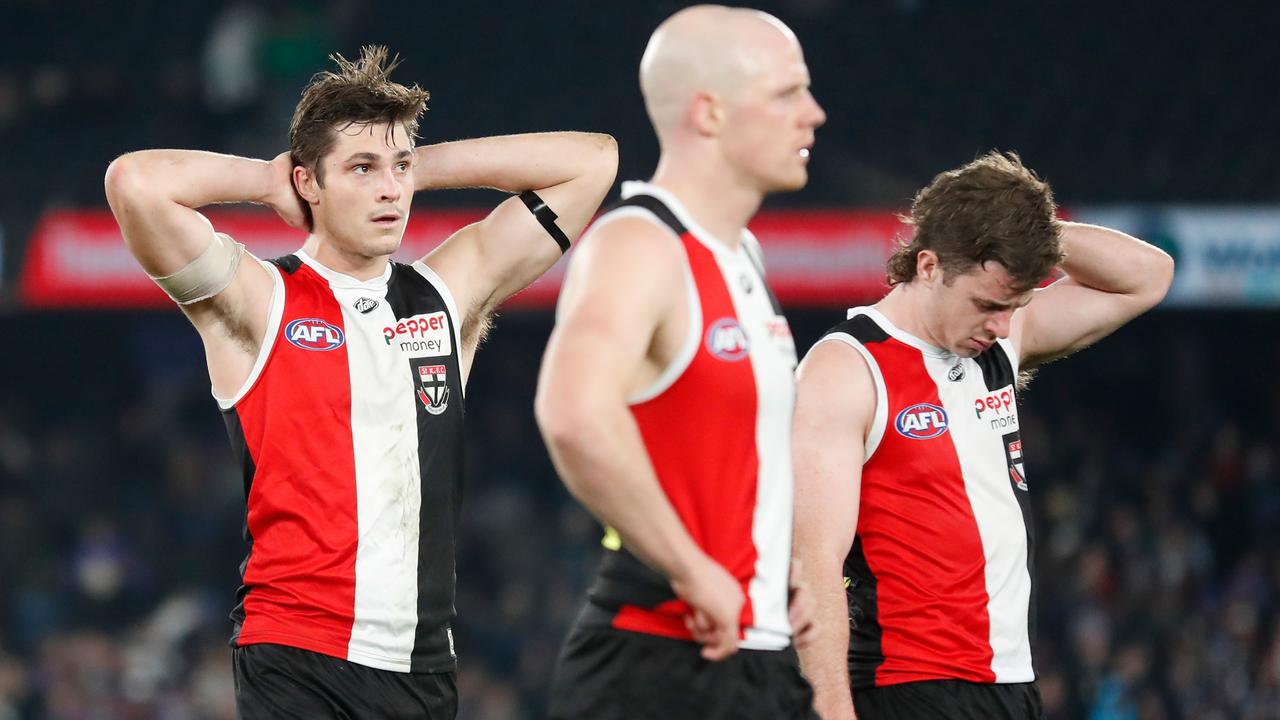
pixel 368 187
pixel 771 119
pixel 968 314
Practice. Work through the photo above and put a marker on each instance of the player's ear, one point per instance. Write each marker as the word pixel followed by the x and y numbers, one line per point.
pixel 706 114
pixel 308 186
pixel 928 269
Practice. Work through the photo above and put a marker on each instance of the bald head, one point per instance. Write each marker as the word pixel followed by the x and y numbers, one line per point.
pixel 707 48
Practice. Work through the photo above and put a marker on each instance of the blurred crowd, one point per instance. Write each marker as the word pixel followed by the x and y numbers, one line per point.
pixel 1167 103
pixel 1152 460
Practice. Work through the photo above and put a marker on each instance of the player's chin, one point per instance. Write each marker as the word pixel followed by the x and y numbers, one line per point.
pixel 383 244
pixel 791 182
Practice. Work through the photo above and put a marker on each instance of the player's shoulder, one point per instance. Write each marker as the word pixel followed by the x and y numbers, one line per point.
pixel 630 238
pixel 859 328
pixel 834 353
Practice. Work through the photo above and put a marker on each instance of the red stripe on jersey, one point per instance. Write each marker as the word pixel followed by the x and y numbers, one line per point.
pixel 302 504
pixel 665 619
pixel 931 590
pixel 701 438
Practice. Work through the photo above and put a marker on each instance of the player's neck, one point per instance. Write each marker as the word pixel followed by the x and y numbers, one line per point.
pixel 717 203
pixel 903 307
pixel 329 254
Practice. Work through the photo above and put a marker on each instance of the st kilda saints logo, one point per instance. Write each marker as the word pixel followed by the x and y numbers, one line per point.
pixel 1013 453
pixel 433 390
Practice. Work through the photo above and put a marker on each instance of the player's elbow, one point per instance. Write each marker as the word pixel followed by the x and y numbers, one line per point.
pixel 604 159
pixel 562 415
pixel 125 182
pixel 1159 277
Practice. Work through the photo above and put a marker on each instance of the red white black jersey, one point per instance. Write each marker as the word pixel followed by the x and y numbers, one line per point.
pixel 939 576
pixel 717 428
pixel 349 432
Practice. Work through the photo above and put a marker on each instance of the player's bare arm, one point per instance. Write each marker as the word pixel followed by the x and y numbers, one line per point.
pixel 485 263
pixel 1111 278
pixel 835 404
pixel 155 195
pixel 620 311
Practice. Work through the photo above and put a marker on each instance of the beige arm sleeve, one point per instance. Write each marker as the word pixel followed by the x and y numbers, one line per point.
pixel 207 275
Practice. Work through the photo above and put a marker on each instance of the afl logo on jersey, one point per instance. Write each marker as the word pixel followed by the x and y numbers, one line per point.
pixel 726 340
pixel 921 421
pixel 313 334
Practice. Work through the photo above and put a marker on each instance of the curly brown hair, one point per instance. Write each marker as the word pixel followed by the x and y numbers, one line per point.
pixel 359 93
pixel 993 209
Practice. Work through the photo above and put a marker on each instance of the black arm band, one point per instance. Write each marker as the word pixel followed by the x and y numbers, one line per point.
pixel 546 217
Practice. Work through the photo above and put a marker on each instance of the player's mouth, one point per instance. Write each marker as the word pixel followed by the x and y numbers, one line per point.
pixel 389 219
pixel 979 345
pixel 805 151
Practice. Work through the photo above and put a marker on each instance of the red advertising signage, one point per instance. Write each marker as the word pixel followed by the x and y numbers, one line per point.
pixel 813 257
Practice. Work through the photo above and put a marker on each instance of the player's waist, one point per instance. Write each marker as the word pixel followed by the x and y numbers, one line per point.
pixel 668 621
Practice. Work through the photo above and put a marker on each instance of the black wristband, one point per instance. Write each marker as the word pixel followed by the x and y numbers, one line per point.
pixel 546 217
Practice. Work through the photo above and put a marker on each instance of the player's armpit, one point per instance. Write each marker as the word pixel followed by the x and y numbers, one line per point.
pixel 487 262
pixel 1111 279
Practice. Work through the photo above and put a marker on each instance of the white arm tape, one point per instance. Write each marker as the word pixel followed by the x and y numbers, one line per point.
pixel 205 276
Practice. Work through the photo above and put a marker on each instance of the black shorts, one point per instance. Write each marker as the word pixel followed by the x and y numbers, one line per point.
pixel 275 681
pixel 949 700
pixel 606 674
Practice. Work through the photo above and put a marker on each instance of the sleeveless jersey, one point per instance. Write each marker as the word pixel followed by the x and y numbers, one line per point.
pixel 717 428
pixel 349 433
pixel 939 577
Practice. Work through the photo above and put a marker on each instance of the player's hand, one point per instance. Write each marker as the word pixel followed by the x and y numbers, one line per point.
pixel 716 600
pixel 801 609
pixel 283 198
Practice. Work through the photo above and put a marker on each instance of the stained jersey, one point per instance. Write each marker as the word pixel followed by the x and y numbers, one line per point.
pixel 349 433
pixel 716 426
pixel 939 578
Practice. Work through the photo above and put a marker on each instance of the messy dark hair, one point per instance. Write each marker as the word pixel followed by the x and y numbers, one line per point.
pixel 993 209
pixel 359 93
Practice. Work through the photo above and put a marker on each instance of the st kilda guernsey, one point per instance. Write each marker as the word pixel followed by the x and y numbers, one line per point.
pixel 717 428
pixel 939 579
pixel 349 433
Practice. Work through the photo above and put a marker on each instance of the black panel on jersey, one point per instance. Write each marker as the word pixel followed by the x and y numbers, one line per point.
pixel 624 580
pixel 441 468
pixel 997 371
pixel 861 328
pixel 657 207
pixel 247 468
pixel 1028 521
pixel 288 263
pixel 865 652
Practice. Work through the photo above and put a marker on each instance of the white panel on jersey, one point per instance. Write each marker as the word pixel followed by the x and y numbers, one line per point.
pixel 979 445
pixel 275 311
pixel 388 477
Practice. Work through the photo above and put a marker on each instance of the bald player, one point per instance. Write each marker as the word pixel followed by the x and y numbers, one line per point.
pixel 667 391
